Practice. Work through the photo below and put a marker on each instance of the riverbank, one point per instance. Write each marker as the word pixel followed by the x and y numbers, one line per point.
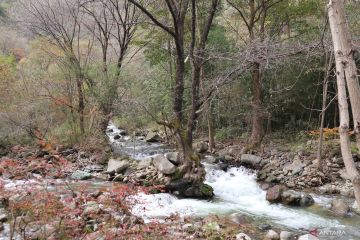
pixel 99 202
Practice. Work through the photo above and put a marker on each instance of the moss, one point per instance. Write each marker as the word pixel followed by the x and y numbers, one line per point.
pixel 207 189
pixel 176 175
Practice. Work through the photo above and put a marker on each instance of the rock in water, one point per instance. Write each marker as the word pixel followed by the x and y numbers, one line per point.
pixel 272 235
pixel 273 194
pixel 152 137
pixel 291 197
pixel 80 175
pixel 163 165
pixel 285 235
pixel 117 166
pixel 242 236
pixel 339 207
pixel 199 191
pixel 250 160
pixel 306 200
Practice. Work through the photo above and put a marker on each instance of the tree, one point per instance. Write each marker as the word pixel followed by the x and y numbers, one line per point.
pixel 191 168
pixel 113 24
pixel 254 15
pixel 346 76
pixel 59 21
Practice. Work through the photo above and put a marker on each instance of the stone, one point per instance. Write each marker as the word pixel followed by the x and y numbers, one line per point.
pixel 3 217
pixel 2 228
pixel 211 159
pixel 199 191
pixel 355 208
pixel 238 218
pixel 80 175
pixel 285 235
pixel 291 197
pixel 179 185
pixel 295 167
pixel 119 178
pixel 265 186
pixel 173 157
pixel 306 200
pixel 339 208
pixel 4 202
pixel 273 194
pixel 264 227
pixel 201 147
pixel 242 236
pixel 92 207
pixel 272 235
pixel 152 137
pixel 123 132
pixel 117 137
pixel 344 175
pixel 308 237
pixel 145 163
pixel 117 166
pixel 94 168
pixel 163 165
pixel 250 160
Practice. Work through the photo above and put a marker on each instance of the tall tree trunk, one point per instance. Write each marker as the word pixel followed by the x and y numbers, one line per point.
pixel 208 112
pixel 257 132
pixel 337 22
pixel 81 104
pixel 328 66
pixel 343 50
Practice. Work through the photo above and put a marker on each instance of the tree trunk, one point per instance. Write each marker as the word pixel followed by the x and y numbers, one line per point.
pixel 337 22
pixel 257 132
pixel 81 104
pixel 328 66
pixel 343 50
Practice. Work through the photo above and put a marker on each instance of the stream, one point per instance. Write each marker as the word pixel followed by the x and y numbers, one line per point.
pixel 236 191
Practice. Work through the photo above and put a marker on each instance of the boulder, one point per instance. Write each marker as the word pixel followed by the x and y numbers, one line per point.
pixel 163 165
pixel 179 185
pixel 355 208
pixel 306 200
pixel 339 207
pixel 285 235
pixel 211 159
pixel 199 191
pixel 80 175
pixel 173 157
pixel 152 137
pixel 272 235
pixel 250 160
pixel 295 167
pixel 201 147
pixel 242 236
pixel 145 163
pixel 117 166
pixel 291 197
pixel 273 194
pixel 123 132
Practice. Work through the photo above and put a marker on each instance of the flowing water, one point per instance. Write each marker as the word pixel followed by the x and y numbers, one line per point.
pixel 236 191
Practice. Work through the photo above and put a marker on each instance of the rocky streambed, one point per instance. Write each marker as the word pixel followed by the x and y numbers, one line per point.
pixel 119 199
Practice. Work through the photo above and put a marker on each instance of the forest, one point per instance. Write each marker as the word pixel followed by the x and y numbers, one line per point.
pixel 180 119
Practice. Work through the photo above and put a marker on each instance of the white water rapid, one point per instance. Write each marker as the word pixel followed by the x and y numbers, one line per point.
pixel 236 191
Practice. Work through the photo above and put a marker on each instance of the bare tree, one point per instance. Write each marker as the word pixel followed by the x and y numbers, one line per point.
pixel 114 23
pixel 345 75
pixel 59 21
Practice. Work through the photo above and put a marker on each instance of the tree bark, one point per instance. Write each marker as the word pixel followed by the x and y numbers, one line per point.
pixel 337 22
pixel 344 52
pixel 257 132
